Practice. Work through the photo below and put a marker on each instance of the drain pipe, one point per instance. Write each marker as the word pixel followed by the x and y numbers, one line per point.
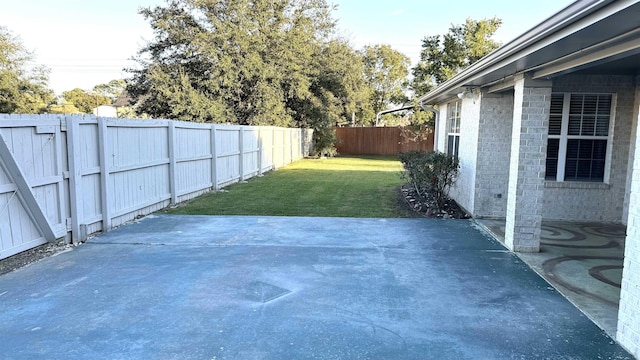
pixel 436 113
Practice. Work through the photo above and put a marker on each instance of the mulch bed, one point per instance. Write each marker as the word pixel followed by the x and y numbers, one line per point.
pixel 425 205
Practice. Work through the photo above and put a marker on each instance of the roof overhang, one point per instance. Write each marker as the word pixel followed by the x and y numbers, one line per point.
pixel 598 35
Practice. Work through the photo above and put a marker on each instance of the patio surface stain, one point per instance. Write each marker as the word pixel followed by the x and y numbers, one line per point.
pixel 209 287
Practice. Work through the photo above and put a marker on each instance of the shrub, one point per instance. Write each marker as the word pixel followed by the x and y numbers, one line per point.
pixel 430 173
pixel 324 140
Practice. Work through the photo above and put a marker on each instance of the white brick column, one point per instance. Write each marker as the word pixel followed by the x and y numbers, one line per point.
pixel 527 164
pixel 628 334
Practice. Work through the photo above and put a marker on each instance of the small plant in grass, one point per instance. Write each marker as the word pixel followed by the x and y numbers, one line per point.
pixel 430 173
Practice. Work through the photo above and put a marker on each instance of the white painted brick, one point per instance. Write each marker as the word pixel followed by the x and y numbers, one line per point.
pixel 628 334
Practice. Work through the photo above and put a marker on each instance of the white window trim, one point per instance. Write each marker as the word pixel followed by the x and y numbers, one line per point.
pixel 564 137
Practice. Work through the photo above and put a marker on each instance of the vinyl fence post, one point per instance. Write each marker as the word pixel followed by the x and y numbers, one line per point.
pixel 75 179
pixel 273 149
pixel 171 128
pixel 242 149
pixel 291 142
pixel 214 160
pixel 104 174
pixel 260 151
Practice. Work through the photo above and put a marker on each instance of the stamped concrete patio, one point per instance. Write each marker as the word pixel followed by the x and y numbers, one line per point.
pixel 583 261
pixel 198 287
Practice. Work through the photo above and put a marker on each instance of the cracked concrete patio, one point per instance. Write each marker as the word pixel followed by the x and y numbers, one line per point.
pixel 207 287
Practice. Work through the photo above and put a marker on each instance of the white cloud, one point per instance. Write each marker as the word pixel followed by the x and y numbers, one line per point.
pixel 397 12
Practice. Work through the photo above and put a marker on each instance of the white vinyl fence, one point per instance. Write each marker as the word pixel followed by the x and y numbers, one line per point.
pixel 72 176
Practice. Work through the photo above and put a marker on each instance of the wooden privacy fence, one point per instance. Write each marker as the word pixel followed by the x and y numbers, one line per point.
pixel 72 176
pixel 377 141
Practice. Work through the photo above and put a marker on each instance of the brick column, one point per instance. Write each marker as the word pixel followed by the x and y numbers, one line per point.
pixel 527 164
pixel 628 334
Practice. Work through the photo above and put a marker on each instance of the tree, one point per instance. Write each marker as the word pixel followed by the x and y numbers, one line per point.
pixel 85 101
pixel 63 108
pixel 112 89
pixel 385 71
pixel 337 92
pixel 260 62
pixel 444 56
pixel 23 86
pixel 231 61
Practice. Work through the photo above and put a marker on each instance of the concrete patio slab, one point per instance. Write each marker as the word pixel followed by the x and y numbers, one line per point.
pixel 583 261
pixel 198 287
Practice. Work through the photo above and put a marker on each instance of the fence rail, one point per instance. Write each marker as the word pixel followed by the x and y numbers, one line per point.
pixel 72 176
pixel 378 141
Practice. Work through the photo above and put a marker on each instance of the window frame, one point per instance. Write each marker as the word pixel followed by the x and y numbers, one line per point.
pixel 454 115
pixel 564 138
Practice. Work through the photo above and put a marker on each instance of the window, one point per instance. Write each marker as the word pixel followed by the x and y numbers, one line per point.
pixel 578 137
pixel 453 128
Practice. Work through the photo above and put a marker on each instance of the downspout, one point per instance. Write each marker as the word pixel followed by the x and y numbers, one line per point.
pixel 436 113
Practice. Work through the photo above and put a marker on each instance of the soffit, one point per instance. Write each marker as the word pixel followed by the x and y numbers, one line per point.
pixel 574 44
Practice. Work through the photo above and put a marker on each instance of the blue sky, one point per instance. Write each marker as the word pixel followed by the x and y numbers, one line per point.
pixel 88 42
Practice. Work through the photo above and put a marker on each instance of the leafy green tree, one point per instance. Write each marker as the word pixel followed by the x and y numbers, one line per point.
pixel 260 62
pixel 63 108
pixel 112 89
pixel 385 71
pixel 337 92
pixel 23 86
pixel 85 101
pixel 231 61
pixel 444 56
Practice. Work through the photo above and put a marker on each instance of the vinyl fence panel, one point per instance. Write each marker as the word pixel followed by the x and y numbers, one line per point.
pixel 251 154
pixel 266 144
pixel 32 173
pixel 137 166
pixel 228 154
pixel 89 174
pixel 193 154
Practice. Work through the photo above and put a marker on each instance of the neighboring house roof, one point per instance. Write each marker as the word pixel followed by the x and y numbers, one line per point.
pixel 589 36
pixel 123 100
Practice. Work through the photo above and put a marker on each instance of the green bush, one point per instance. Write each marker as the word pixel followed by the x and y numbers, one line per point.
pixel 430 173
pixel 324 140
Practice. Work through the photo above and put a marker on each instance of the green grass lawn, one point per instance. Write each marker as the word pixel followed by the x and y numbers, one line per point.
pixel 340 187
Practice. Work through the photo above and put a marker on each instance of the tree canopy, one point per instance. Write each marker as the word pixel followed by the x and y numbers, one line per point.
pixel 85 101
pixel 112 89
pixel 259 62
pixel 245 62
pixel 385 71
pixel 23 85
pixel 443 56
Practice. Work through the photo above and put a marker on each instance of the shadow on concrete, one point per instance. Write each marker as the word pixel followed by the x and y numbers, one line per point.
pixel 583 261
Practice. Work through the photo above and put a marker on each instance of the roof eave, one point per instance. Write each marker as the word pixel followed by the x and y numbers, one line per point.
pixel 555 27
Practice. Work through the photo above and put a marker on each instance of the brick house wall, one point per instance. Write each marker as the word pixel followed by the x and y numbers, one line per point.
pixel 629 316
pixel 493 152
pixel 463 190
pixel 573 201
pixel 485 140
